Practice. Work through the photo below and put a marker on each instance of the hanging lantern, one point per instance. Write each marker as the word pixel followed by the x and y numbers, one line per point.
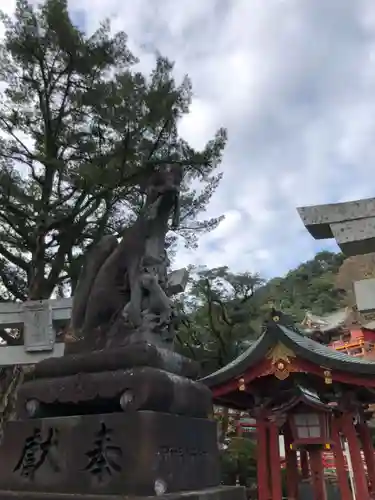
pixel 310 427
pixel 327 377
pixel 241 384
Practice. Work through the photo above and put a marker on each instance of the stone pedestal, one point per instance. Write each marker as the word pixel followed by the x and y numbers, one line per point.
pixel 138 377
pixel 130 423
pixel 132 454
pixel 218 493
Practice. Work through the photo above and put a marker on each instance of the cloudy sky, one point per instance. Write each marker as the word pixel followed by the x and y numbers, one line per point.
pixel 294 83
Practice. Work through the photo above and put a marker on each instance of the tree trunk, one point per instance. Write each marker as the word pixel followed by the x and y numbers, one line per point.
pixel 10 380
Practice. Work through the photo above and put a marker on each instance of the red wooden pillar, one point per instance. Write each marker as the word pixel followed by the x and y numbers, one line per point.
pixel 368 451
pixel 304 464
pixel 262 461
pixel 274 449
pixel 291 466
pixel 359 474
pixel 317 475
pixel 341 472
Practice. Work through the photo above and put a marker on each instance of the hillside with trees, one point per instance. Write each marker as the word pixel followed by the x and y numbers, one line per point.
pixel 223 312
pixel 311 286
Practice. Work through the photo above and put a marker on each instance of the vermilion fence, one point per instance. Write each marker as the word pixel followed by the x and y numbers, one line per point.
pixel 328 461
pixel 328 457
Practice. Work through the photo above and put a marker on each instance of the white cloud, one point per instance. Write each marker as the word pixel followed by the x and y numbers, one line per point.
pixel 199 125
pixel 294 83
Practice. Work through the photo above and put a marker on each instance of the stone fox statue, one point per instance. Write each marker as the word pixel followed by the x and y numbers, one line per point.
pixel 112 278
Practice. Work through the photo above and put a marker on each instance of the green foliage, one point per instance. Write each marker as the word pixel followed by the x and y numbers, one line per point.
pixel 238 461
pixel 224 312
pixel 82 130
pixel 311 286
pixel 220 315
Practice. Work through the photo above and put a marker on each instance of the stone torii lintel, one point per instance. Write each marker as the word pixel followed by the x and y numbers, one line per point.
pixel 352 224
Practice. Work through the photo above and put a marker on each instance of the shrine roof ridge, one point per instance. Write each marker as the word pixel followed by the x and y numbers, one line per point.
pixel 284 331
pixel 301 394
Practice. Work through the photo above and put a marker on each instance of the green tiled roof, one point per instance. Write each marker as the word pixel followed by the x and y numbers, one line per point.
pixel 304 347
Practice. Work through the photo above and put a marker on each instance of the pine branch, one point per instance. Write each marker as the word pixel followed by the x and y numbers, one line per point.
pixel 11 284
pixel 14 259
pixel 213 328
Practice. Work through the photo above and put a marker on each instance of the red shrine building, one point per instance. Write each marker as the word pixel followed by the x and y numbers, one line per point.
pixel 344 330
pixel 315 397
pixel 358 342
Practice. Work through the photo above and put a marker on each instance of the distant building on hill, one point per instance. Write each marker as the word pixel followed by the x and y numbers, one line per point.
pixel 344 330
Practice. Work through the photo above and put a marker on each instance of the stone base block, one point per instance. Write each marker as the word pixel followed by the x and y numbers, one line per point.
pixel 219 493
pixel 138 454
pixel 119 358
pixel 139 388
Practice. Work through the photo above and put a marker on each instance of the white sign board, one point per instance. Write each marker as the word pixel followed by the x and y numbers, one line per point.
pixel 364 291
pixel 40 320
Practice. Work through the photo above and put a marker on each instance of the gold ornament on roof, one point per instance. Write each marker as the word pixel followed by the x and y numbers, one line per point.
pixel 280 352
pixel 281 357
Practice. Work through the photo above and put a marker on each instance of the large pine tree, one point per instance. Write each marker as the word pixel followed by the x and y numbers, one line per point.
pixel 81 129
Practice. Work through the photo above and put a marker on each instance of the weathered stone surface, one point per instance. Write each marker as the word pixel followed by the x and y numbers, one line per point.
pixel 146 388
pixel 130 283
pixel 16 355
pixel 218 493
pixel 138 354
pixel 364 291
pixel 12 314
pixel 109 454
pixel 95 258
pixel 355 237
pixel 177 281
pixel 318 218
